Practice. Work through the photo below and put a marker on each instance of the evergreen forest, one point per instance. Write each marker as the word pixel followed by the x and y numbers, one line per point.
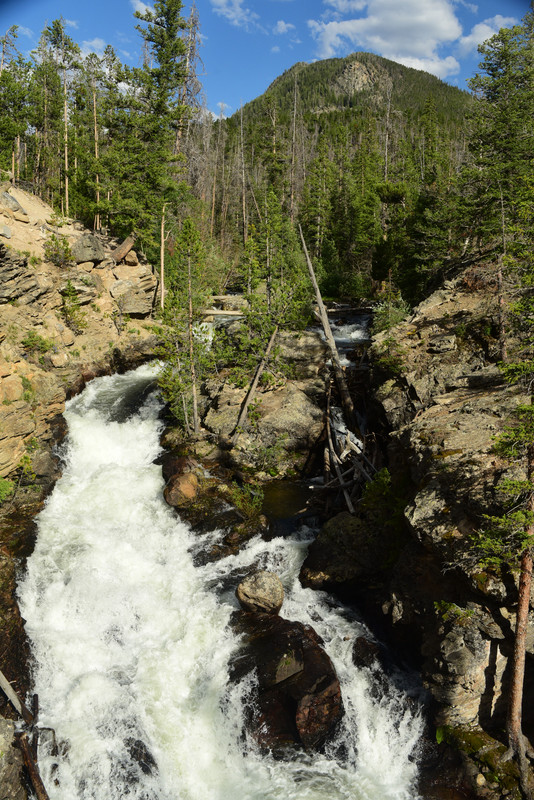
pixel 397 179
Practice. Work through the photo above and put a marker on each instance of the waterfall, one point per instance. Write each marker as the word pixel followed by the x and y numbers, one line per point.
pixel 131 641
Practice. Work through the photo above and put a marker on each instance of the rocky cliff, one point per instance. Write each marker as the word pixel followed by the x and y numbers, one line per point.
pixel 439 401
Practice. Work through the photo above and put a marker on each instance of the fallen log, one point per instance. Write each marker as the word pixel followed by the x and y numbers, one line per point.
pixel 123 249
pixel 22 710
pixel 31 766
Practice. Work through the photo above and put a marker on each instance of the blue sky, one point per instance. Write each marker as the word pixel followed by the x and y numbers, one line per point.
pixel 248 43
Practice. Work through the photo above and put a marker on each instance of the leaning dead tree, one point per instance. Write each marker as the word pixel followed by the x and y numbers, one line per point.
pixel 341 383
pixel 346 465
pixel 254 385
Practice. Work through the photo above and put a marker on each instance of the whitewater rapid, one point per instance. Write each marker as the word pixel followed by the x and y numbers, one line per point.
pixel 131 641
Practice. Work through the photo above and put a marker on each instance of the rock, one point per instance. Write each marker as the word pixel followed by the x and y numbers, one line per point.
pixel 8 201
pixel 305 351
pixel 10 763
pixel 131 259
pixel 134 299
pixel 181 489
pixel 262 591
pixel 88 248
pixel 172 464
pixel 59 359
pixel 83 284
pixel 5 231
pixel 18 281
pixel 297 702
pixel 288 424
pixel 443 411
pixel 11 389
pixel 344 553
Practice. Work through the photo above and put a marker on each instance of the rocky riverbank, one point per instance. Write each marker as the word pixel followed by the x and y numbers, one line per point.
pixel 438 402
pixel 44 361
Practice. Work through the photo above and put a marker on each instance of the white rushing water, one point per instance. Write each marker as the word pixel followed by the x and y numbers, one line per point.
pixel 131 640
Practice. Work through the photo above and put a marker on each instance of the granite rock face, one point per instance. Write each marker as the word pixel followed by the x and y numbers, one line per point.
pixel 442 411
pixel 438 406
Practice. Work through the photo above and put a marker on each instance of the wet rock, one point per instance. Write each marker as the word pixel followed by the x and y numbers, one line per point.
pixel 345 551
pixel 297 699
pixel 262 591
pixel 173 464
pixel 140 753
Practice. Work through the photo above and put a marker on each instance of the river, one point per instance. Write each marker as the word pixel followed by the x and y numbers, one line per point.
pixel 131 640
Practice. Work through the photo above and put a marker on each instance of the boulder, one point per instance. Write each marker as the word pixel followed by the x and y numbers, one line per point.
pixel 88 248
pixel 133 299
pixel 262 591
pixel 345 553
pixel 10 763
pixel 296 701
pixel 8 201
pixel 181 489
pixel 131 259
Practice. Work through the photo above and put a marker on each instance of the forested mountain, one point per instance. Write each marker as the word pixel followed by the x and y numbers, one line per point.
pixel 361 151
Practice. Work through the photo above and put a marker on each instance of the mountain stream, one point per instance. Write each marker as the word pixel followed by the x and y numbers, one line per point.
pixel 131 641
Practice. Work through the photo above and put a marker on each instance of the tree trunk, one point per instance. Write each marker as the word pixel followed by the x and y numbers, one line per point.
pixel 346 399
pixel 162 259
pixel 123 249
pixel 96 223
pixel 243 183
pixel 66 141
pixel 253 386
pixel 196 426
pixel 516 740
pixel 31 766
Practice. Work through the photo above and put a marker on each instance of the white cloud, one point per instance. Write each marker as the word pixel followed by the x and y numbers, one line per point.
pixel 346 6
pixel 234 12
pixel 282 27
pixel 470 6
pixel 410 32
pixel 95 45
pixel 138 5
pixel 25 31
pixel 275 49
pixel 482 31
pixel 71 23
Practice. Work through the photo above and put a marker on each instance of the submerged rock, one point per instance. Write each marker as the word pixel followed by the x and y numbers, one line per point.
pixel 297 699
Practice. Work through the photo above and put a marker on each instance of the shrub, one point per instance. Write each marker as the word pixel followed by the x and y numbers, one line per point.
pixel 71 309
pixel 57 250
pixel 34 343
pixel 6 489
